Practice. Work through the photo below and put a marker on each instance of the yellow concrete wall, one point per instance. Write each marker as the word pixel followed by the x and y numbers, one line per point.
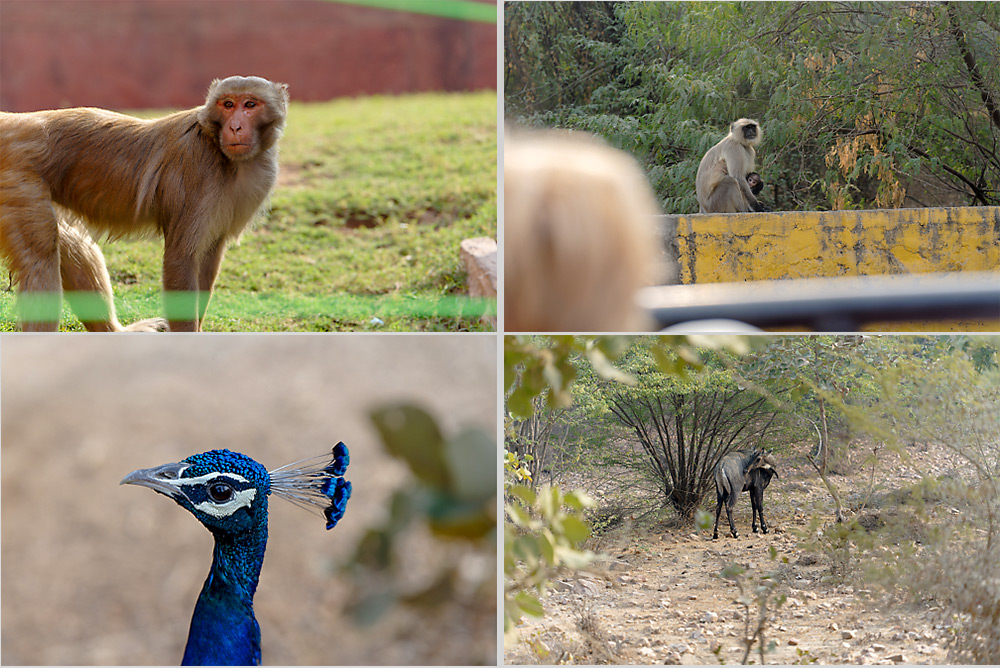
pixel 715 248
pixel 721 248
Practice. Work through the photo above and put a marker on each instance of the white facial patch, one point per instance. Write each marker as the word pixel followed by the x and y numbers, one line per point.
pixel 241 499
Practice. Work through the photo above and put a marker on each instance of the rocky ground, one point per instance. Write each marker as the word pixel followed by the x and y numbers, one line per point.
pixel 656 596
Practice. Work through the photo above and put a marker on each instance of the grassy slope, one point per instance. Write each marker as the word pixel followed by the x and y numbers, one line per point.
pixel 374 196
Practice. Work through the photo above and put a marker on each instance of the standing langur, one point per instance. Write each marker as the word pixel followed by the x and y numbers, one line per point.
pixel 580 235
pixel 721 184
pixel 197 178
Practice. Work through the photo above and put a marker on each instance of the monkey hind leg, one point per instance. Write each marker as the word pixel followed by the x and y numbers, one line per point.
pixel 726 198
pixel 88 286
pixel 29 246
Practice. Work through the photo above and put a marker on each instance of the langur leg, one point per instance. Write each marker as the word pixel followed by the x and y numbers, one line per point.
pixel 726 198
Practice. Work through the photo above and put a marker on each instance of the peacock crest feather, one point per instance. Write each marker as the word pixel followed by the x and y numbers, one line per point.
pixel 227 492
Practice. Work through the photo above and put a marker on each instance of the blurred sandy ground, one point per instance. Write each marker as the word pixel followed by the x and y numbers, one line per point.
pixel 96 573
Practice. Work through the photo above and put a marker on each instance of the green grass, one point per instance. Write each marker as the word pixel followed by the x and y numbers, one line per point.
pixel 374 196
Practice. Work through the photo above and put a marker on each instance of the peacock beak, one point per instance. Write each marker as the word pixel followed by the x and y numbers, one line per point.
pixel 159 478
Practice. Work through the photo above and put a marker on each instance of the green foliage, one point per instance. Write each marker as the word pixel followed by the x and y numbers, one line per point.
pixel 546 366
pixel 515 469
pixel 542 535
pixel 374 196
pixel 909 95
pixel 453 494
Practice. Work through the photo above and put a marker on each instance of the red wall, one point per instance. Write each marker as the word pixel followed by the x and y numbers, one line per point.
pixel 131 54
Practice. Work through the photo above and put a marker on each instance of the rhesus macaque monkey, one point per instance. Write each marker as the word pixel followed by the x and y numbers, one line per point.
pixel 580 235
pixel 197 177
pixel 721 183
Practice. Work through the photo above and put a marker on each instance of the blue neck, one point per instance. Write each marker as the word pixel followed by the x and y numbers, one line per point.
pixel 224 631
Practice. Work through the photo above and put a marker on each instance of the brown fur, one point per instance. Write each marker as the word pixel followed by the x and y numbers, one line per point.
pixel 580 237
pixel 721 184
pixel 196 177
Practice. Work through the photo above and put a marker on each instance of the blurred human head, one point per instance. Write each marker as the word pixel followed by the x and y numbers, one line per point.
pixel 580 237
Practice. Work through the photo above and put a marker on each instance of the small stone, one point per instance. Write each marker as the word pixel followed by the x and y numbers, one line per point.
pixel 898 658
pixel 710 617
pixel 793 641
pixel 833 626
pixel 793 602
pixel 876 647
pixel 480 257
pixel 646 651
pixel 847 635
pixel 692 597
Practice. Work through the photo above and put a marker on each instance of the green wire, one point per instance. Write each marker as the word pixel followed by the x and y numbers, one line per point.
pixel 464 10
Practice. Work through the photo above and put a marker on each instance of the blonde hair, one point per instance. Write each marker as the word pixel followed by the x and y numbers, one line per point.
pixel 580 238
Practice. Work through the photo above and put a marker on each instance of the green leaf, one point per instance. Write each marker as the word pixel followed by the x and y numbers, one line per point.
pixel 529 604
pixel 411 434
pixel 471 458
pixel 575 529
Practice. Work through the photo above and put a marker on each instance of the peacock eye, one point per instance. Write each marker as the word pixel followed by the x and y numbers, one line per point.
pixel 220 492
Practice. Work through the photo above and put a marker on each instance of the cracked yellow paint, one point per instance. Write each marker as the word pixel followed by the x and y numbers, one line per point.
pixel 721 248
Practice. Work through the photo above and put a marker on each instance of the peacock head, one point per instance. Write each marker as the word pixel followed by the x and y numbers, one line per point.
pixel 227 491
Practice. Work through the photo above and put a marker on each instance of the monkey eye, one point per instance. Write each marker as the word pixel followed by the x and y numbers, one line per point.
pixel 249 104
pixel 228 104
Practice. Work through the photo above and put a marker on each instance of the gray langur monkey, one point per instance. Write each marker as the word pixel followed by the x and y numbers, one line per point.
pixel 721 184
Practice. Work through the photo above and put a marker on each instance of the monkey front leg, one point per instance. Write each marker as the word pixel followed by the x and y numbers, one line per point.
pixel 207 274
pixel 180 288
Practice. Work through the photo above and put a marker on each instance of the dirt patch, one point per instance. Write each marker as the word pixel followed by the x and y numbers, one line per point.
pixel 657 596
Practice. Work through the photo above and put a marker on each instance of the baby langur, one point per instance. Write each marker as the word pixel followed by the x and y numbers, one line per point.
pixel 580 235
pixel 756 184
pixel 721 184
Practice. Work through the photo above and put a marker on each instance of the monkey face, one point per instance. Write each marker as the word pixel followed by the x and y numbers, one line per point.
pixel 750 131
